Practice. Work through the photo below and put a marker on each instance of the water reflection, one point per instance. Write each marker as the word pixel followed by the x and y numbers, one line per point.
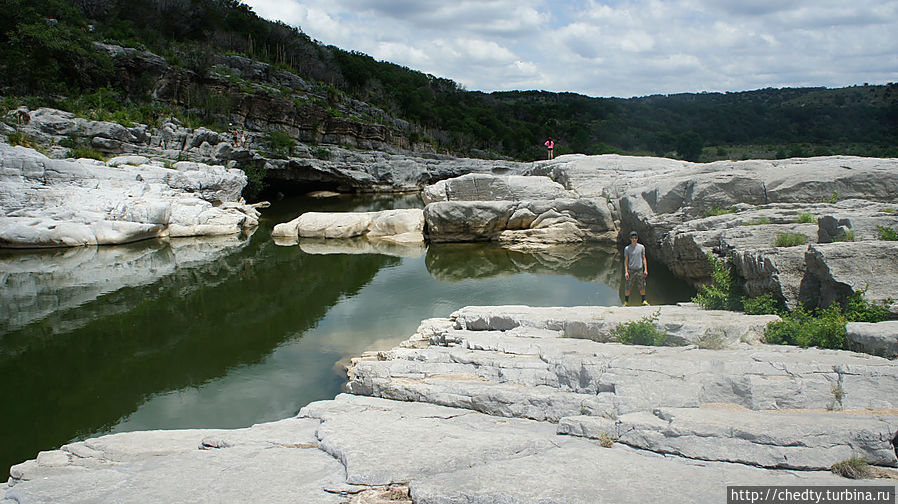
pixel 454 262
pixel 102 330
pixel 49 284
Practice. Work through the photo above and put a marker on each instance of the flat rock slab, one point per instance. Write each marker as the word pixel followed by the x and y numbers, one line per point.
pixel 382 442
pixel 581 472
pixel 444 455
pixel 277 462
pixel 796 440
pixel 499 361
pixel 683 324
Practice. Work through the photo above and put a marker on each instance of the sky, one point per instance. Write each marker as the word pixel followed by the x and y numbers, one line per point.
pixel 620 48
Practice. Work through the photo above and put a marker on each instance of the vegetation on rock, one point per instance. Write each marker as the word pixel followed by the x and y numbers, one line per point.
pixel 641 332
pixel 790 240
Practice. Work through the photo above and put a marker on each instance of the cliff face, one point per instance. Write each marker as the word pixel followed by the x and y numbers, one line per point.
pixel 260 98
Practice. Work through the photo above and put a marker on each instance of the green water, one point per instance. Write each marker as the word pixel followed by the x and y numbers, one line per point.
pixel 232 331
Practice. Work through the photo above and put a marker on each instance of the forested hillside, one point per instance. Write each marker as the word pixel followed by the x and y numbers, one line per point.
pixel 49 56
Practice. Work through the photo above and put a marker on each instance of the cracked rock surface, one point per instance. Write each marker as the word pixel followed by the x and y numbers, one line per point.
pixel 499 404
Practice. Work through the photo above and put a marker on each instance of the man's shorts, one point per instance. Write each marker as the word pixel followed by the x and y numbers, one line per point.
pixel 637 277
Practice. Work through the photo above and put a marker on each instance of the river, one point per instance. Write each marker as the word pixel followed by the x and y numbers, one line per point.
pixel 228 332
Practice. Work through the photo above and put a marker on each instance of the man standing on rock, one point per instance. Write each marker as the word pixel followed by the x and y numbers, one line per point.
pixel 636 268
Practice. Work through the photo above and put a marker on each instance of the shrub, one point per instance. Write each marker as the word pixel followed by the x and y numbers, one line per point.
pixel 853 468
pixel 847 236
pixel 790 239
pixel 641 332
pixel 321 153
pixel 19 138
pixel 279 140
pixel 886 233
pixel 858 309
pixel 764 304
pixel 719 211
pixel 806 218
pixel 757 221
pixel 803 328
pixel 722 293
pixel 86 152
pixel 824 328
pixel 832 199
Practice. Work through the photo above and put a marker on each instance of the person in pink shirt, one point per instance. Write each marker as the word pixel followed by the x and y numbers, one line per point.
pixel 550 144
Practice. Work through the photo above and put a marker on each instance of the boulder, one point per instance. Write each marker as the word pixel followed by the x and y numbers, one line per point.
pixel 522 223
pixel 401 226
pixel 880 338
pixel 486 187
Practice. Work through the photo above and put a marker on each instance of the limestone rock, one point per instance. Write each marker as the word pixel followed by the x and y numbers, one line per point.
pixel 795 440
pixel 880 338
pixel 844 268
pixel 485 187
pixel 512 361
pixel 510 222
pixel 52 203
pixel 400 226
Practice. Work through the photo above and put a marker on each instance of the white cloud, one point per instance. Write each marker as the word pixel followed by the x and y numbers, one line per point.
pixel 614 47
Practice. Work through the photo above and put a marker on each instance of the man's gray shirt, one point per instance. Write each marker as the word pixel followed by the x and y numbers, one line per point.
pixel 634 255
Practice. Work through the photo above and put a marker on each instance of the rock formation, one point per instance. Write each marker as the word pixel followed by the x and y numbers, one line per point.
pixel 400 226
pixel 51 203
pixel 512 404
pixel 684 210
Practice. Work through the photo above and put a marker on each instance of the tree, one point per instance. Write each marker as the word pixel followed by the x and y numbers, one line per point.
pixel 689 146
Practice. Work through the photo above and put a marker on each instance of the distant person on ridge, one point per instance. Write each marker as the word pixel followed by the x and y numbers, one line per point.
pixel 550 144
pixel 636 268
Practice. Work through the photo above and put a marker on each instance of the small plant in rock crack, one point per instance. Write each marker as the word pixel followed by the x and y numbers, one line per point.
pixel 838 395
pixel 853 468
pixel 641 332
pixel 607 440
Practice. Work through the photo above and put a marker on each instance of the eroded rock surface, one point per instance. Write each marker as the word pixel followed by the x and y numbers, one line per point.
pixel 62 203
pixel 508 404
pixel 400 226
pixel 683 211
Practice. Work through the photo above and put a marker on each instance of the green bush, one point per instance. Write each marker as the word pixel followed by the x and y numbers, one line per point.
pixel 858 309
pixel 280 141
pixel 722 293
pixel 641 332
pixel 19 138
pixel 719 211
pixel 764 304
pixel 790 239
pixel 806 218
pixel 321 153
pixel 832 199
pixel 847 236
pixel 825 329
pixel 86 152
pixel 886 233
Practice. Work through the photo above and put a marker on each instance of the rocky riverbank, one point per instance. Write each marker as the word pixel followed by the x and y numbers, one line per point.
pixel 518 404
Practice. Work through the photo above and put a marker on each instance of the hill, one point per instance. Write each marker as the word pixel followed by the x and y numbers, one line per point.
pixel 214 62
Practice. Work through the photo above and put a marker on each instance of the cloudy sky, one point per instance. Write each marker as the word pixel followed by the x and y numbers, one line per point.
pixel 614 47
